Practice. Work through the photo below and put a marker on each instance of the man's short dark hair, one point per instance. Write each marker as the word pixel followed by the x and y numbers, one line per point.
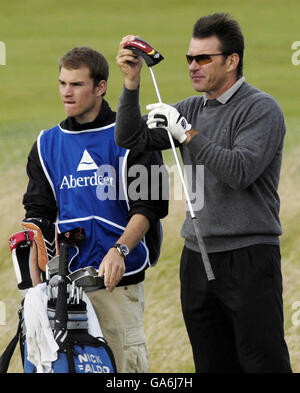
pixel 227 30
pixel 84 56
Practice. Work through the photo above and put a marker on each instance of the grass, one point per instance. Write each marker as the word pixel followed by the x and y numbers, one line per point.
pixel 37 32
pixel 165 343
pixel 290 213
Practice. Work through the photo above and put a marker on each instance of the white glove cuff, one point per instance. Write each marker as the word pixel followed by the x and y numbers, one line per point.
pixel 182 138
pixel 187 127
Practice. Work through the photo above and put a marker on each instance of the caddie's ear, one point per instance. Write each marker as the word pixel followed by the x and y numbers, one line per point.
pixel 101 88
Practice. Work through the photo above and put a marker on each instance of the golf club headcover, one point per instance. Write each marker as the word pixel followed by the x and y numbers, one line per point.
pixel 20 245
pixel 142 48
pixel 167 117
pixel 45 239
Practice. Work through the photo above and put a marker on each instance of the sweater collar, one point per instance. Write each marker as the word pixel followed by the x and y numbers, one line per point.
pixel 223 98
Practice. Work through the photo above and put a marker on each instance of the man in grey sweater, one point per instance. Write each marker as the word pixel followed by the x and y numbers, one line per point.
pixel 235 323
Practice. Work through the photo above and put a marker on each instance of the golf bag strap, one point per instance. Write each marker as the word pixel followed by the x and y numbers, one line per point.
pixel 10 349
pixel 70 359
pixel 44 237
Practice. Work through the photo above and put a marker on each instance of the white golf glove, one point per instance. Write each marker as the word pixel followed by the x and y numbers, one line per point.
pixel 167 117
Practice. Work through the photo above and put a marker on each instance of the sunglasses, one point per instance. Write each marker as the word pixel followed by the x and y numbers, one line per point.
pixel 203 59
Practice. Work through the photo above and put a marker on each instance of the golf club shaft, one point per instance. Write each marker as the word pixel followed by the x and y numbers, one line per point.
pixel 174 152
pixel 61 313
pixel 207 266
pixel 206 262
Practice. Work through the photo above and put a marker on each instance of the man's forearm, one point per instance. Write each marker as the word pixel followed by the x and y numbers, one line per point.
pixel 113 265
pixel 132 84
pixel 130 126
pixel 135 230
pixel 131 130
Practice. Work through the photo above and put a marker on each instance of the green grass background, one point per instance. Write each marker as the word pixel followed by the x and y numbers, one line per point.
pixel 38 32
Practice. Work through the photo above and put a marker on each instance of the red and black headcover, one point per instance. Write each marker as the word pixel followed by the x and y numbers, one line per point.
pixel 142 48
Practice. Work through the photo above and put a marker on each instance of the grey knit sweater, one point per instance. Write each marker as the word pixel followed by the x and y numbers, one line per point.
pixel 240 144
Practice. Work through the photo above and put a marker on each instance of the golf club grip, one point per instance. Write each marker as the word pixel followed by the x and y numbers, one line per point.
pixel 63 259
pixel 61 313
pixel 207 266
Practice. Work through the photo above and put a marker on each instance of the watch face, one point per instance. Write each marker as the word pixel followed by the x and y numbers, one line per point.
pixel 123 249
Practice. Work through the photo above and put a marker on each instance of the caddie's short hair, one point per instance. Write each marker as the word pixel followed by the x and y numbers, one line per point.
pixel 227 30
pixel 85 56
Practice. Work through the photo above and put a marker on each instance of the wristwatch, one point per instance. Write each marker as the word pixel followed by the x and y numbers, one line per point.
pixel 122 248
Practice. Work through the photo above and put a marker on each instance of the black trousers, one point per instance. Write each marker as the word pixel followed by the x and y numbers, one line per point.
pixel 235 323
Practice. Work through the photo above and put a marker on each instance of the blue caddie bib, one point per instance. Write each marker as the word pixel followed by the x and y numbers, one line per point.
pixel 87 173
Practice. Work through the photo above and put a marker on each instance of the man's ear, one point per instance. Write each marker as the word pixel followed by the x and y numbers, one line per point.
pixel 101 88
pixel 232 62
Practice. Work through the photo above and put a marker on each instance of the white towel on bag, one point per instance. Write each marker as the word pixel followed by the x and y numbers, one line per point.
pixel 41 345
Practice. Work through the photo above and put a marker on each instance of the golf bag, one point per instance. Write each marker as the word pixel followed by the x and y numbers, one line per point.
pixel 78 351
pixel 81 353
pixel 69 345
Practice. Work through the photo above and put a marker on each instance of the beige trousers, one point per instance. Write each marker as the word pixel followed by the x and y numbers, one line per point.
pixel 120 314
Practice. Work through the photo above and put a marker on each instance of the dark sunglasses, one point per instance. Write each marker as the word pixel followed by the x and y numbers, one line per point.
pixel 203 59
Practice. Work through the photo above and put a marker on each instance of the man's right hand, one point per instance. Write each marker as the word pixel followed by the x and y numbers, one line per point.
pixel 130 64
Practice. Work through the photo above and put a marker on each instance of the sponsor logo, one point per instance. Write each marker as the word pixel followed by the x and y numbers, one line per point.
pixel 71 181
pixel 138 43
pixel 86 162
pixel 98 178
pixel 183 123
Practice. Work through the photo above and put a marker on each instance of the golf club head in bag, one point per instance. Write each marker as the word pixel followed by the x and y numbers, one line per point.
pixel 77 347
pixel 142 48
pixel 66 239
pixel 71 238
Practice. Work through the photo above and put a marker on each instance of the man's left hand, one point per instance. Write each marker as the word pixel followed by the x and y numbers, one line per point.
pixel 112 268
pixel 167 117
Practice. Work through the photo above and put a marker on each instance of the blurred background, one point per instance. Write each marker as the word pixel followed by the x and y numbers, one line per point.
pixel 37 32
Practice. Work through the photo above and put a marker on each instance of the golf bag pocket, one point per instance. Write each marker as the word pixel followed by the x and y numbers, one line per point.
pixel 82 353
